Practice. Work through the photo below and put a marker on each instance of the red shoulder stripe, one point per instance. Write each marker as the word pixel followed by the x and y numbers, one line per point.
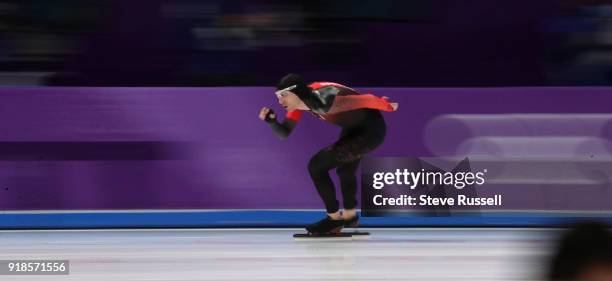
pixel 294 115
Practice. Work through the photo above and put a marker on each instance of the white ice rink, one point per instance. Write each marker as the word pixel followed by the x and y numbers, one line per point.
pixel 272 254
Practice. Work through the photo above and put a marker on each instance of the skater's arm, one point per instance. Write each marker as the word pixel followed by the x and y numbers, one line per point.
pixel 281 130
pixel 351 102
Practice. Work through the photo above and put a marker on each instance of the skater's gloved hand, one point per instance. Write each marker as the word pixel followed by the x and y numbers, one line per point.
pixel 267 114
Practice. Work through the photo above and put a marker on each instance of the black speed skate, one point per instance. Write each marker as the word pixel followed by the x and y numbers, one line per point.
pixel 324 228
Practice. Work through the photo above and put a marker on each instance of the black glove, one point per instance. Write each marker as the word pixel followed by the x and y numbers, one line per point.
pixel 271 116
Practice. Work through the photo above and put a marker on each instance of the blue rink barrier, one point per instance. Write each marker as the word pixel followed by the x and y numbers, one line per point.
pixel 262 218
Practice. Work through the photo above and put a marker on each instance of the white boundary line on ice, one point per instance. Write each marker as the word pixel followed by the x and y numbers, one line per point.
pixel 285 229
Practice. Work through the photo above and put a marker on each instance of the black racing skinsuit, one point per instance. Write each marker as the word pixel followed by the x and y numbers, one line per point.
pixel 363 130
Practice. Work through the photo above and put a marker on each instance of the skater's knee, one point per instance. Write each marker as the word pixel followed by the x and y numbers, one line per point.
pixel 315 166
pixel 322 162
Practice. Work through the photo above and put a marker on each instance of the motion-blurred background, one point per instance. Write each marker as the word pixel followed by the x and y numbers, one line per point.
pixel 142 128
pixel 424 43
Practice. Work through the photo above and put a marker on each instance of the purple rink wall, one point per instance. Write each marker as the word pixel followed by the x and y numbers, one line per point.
pixel 80 148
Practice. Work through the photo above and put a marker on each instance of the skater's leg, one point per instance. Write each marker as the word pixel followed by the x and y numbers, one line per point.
pixel 352 147
pixel 347 173
pixel 348 182
pixel 319 167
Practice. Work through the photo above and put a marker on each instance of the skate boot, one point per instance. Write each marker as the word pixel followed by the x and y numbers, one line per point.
pixel 326 226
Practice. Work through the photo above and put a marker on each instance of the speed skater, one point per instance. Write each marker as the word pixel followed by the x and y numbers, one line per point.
pixel 363 130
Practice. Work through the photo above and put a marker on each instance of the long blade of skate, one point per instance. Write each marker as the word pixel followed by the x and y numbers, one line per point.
pixel 306 236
